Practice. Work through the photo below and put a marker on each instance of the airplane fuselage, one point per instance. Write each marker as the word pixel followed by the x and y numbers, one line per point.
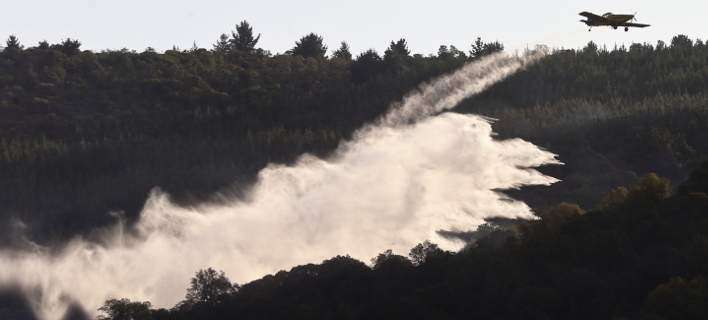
pixel 619 18
pixel 610 20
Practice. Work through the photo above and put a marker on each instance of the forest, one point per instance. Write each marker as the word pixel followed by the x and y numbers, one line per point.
pixel 640 255
pixel 85 136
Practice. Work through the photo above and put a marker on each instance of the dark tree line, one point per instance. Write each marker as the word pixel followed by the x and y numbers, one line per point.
pixel 93 132
pixel 83 133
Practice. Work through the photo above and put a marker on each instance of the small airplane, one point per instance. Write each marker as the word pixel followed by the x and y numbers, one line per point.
pixel 611 20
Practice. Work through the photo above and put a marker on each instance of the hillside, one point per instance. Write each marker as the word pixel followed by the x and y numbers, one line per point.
pixel 85 133
pixel 641 256
pixel 85 136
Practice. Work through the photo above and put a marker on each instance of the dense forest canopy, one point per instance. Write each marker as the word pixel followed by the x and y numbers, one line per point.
pixel 93 132
pixel 86 133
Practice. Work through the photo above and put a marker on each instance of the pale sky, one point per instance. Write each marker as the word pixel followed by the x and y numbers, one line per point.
pixel 137 24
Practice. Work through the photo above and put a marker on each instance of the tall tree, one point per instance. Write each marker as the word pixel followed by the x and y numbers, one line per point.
pixel 343 52
pixel 310 46
pixel 243 39
pixel 13 44
pixel 210 287
pixel 396 50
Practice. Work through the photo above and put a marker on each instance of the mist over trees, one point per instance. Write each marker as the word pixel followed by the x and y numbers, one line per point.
pixel 84 124
pixel 642 258
pixel 93 132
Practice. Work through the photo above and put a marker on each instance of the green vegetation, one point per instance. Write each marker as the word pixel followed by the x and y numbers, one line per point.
pixel 611 115
pixel 83 133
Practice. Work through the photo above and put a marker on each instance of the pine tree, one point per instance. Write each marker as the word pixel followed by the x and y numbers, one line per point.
pixel 242 39
pixel 343 52
pixel 397 50
pixel 310 46
pixel 13 44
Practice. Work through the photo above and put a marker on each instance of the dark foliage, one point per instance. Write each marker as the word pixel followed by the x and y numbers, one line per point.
pixel 124 309
pixel 208 287
pixel 631 261
pixel 343 52
pixel 243 40
pixel 310 46
pixel 94 132
pixel 85 133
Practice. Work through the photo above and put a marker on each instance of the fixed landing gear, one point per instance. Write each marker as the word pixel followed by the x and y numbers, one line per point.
pixel 626 29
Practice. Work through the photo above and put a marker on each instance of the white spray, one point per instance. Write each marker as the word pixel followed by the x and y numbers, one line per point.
pixel 397 183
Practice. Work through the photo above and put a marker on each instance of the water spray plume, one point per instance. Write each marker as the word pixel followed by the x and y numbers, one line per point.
pixel 398 182
pixel 448 91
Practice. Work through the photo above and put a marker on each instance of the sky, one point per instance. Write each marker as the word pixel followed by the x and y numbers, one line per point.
pixel 364 24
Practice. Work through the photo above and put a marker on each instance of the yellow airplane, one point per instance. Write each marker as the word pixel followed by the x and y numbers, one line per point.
pixel 611 20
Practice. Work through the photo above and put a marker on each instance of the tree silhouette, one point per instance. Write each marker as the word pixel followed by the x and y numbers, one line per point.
pixel 13 44
pixel 124 309
pixel 310 46
pixel 424 251
pixel 209 287
pixel 389 260
pixel 343 52
pixel 243 39
pixel 397 50
pixel 397 56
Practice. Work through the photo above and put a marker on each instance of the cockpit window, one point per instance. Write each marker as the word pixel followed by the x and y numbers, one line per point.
pixel 607 14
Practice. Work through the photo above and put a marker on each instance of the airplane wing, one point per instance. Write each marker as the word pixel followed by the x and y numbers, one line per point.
pixel 636 25
pixel 595 18
pixel 590 15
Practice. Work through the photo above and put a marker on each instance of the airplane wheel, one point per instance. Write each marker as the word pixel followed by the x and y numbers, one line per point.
pixel 626 29
pixel 614 27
